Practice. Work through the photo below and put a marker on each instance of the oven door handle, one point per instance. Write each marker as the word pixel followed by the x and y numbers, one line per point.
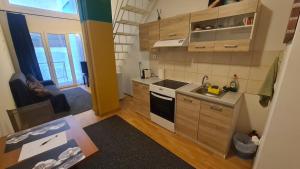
pixel 161 97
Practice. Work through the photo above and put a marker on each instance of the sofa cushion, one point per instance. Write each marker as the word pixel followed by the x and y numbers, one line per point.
pixel 36 87
pixel 53 90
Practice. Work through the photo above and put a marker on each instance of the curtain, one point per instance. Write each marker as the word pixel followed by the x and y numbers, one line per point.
pixel 23 45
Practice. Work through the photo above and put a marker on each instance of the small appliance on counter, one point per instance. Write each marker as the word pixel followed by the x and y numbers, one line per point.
pixel 144 73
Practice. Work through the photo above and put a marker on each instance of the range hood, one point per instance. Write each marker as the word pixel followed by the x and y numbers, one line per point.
pixel 171 43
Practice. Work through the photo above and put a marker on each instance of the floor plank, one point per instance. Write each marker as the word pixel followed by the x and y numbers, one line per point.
pixel 189 151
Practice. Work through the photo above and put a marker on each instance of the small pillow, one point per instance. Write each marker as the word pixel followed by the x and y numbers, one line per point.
pixel 38 89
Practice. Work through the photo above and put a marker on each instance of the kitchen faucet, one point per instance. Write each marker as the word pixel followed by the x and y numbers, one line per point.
pixel 205 77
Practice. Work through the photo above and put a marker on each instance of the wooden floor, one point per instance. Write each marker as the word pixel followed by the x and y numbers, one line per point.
pixel 187 150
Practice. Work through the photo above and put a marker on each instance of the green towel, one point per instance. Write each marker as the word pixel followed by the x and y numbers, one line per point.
pixel 267 90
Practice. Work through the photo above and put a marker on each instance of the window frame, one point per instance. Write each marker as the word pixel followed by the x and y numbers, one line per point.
pixel 5 5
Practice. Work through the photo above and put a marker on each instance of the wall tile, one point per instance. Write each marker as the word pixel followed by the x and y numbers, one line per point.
pixel 220 67
pixel 218 80
pixel 241 71
pixel 205 68
pixel 221 58
pixel 192 77
pixel 179 66
pixel 169 74
pixel 220 70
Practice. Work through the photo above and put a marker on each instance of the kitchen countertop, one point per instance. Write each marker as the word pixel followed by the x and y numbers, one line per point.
pixel 229 99
pixel 147 81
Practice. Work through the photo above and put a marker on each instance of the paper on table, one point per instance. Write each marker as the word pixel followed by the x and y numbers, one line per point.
pixel 37 147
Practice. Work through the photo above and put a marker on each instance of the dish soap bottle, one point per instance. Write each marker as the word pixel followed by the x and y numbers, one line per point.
pixel 234 84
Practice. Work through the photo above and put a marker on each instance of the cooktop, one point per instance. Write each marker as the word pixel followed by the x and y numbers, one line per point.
pixel 172 84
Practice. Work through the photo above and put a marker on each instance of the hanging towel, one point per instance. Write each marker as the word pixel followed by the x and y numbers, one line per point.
pixel 267 90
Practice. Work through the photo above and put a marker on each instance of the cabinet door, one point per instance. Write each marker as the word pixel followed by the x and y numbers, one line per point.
pixel 175 27
pixel 187 115
pixel 143 35
pixel 208 14
pixel 215 126
pixel 141 98
pixel 244 7
pixel 153 34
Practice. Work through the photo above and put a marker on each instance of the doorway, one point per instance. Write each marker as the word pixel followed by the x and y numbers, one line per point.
pixel 59 57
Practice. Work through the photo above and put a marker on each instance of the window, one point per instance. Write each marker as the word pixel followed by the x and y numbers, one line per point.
pixel 64 6
pixel 77 55
pixel 40 54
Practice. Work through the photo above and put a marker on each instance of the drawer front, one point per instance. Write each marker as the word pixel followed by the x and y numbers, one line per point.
pixel 187 101
pixel 208 14
pixel 216 111
pixel 244 7
pixel 201 47
pixel 175 27
pixel 232 46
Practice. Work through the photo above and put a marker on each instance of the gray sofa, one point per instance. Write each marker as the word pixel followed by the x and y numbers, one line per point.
pixel 23 96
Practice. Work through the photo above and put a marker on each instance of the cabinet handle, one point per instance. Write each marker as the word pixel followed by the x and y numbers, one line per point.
pixel 216 108
pixel 231 46
pixel 188 100
pixel 200 47
pixel 173 34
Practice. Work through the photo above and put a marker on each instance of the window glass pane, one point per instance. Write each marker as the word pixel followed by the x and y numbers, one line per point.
pixel 40 54
pixel 64 6
pixel 78 55
pixel 60 59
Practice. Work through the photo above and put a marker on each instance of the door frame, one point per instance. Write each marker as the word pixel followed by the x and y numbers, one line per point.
pixel 45 42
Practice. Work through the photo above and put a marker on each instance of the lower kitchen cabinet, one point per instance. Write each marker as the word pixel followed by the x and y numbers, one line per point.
pixel 209 124
pixel 186 117
pixel 141 98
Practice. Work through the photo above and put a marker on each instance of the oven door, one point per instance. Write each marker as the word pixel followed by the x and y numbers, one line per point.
pixel 163 106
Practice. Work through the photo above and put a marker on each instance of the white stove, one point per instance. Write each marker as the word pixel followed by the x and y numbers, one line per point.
pixel 162 102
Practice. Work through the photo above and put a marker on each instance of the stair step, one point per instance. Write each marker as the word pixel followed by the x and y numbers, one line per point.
pixel 135 9
pixel 125 34
pixel 127 22
pixel 118 43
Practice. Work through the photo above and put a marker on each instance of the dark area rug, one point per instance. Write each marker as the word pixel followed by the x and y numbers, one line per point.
pixel 79 100
pixel 123 146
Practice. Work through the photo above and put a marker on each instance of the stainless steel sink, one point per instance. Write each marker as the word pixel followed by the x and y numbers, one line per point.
pixel 204 91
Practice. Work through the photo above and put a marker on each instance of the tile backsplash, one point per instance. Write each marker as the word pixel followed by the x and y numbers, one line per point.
pixel 251 67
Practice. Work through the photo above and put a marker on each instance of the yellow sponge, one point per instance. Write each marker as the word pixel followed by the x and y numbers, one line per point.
pixel 213 91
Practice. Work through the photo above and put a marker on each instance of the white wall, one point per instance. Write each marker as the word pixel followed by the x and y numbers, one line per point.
pixel 280 144
pixel 6 70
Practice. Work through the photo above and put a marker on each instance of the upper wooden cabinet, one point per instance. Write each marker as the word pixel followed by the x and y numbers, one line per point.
pixel 149 34
pixel 229 28
pixel 243 7
pixel 175 27
pixel 143 35
pixel 209 14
